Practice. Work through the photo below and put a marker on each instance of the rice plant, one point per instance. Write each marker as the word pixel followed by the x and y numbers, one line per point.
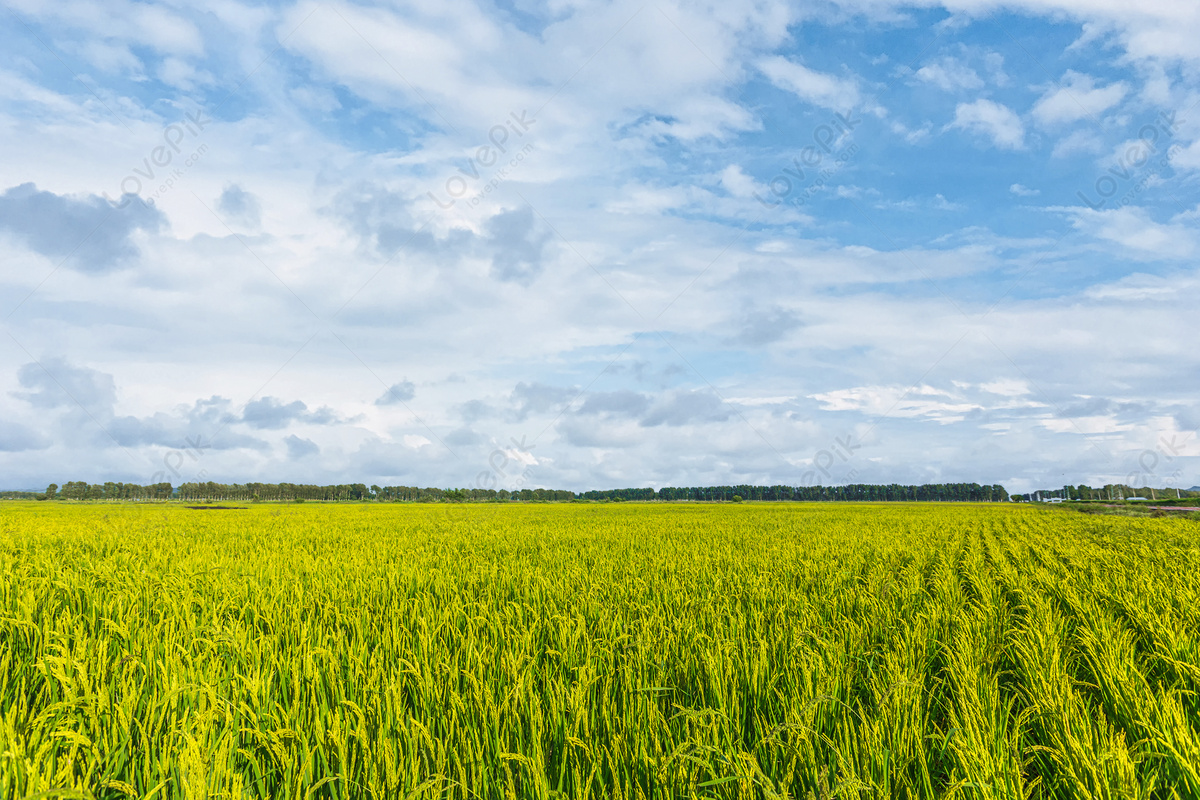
pixel 597 651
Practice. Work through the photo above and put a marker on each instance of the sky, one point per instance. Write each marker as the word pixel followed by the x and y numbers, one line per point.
pixel 586 245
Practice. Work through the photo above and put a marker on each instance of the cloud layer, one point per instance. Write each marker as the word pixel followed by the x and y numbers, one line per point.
pixel 591 245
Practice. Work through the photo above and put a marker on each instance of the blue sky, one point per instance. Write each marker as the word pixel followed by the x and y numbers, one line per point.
pixel 585 245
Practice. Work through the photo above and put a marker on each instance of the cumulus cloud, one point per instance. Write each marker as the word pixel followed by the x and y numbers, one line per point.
pixel 950 74
pixel 270 413
pixel 298 448
pixel 994 120
pixel 463 437
pixel 538 398
pixel 1077 96
pixel 623 403
pixel 1133 229
pixel 762 326
pixel 737 182
pixel 398 393
pixel 55 383
pixel 475 410
pixel 85 232
pixel 517 244
pixel 383 220
pixel 687 408
pixel 1084 141
pixel 204 425
pixel 240 206
pixel 85 401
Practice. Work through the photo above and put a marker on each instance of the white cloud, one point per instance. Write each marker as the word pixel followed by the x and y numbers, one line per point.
pixel 1007 388
pixel 818 88
pixel 1077 97
pixel 179 73
pixel 942 204
pixel 1187 156
pixel 945 406
pixel 737 182
pixel 110 57
pixel 761 401
pixel 1084 141
pixel 1136 288
pixel 166 31
pixel 911 135
pixel 1088 426
pixel 1163 30
pixel 950 74
pixel 1023 191
pixel 1133 229
pixel 994 120
pixel 118 23
pixel 995 68
pixel 648 200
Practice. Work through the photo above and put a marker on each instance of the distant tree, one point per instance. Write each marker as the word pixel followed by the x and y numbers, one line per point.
pixel 51 491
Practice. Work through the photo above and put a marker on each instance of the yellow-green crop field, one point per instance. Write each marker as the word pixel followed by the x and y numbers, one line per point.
pixel 617 650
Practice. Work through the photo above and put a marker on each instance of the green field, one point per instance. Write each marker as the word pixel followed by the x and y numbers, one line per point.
pixel 586 650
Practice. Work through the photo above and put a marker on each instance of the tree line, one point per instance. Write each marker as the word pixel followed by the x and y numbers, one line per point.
pixel 855 492
pixel 82 490
pixel 277 492
pixel 19 495
pixel 283 492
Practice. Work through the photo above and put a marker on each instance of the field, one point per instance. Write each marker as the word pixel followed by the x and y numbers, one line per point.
pixel 616 650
